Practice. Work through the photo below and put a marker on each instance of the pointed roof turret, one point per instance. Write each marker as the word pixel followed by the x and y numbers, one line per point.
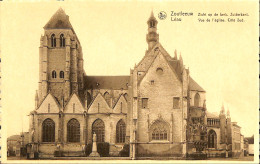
pixel 152 37
pixel 228 113
pixel 204 104
pixel 222 109
pixel 175 55
pixel 180 58
pixel 152 17
pixel 59 20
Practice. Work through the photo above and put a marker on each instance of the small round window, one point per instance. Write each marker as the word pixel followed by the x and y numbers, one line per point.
pixel 159 71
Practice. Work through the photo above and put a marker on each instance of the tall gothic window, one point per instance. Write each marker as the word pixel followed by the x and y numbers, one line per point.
pixel 107 98
pixel 212 139
pixel 99 128
pixel 73 131
pixel 53 74
pixel 62 41
pixel 197 100
pixel 61 74
pixel 48 130
pixel 159 131
pixel 120 131
pixel 53 40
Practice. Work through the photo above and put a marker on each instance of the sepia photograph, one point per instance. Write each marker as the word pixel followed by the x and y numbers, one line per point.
pixel 129 81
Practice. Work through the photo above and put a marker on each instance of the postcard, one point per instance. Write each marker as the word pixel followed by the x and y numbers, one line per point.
pixel 129 81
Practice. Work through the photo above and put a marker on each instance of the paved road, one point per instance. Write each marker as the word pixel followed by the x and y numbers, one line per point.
pixel 16 158
pixel 248 158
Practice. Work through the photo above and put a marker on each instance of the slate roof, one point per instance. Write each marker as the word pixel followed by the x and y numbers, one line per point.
pixel 106 82
pixel 175 64
pixel 195 86
pixel 59 20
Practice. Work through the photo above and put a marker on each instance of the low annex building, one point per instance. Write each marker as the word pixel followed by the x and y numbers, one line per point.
pixel 158 109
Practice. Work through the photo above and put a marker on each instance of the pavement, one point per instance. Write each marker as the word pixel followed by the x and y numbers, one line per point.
pixel 248 158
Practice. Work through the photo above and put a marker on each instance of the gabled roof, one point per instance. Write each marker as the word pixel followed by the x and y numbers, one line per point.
pixel 71 96
pixel 113 106
pixel 55 99
pixel 59 20
pixel 195 86
pixel 173 63
pixel 106 82
pixel 93 100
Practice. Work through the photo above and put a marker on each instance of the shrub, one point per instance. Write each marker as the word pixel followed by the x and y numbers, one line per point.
pixel 125 151
pixel 58 154
pixel 103 149
pixel 36 155
pixel 88 149
pixel 196 156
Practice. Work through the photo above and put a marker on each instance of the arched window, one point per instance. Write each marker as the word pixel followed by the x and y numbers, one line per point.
pixel 212 139
pixel 99 128
pixel 61 74
pixel 53 40
pixel 73 131
pixel 53 74
pixel 151 24
pixel 197 100
pixel 107 98
pixel 120 131
pixel 48 130
pixel 62 41
pixel 159 131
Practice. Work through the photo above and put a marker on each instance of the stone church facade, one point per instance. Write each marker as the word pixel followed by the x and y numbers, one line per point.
pixel 159 110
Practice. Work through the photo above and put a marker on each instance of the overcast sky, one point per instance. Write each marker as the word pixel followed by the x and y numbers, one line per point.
pixel 221 57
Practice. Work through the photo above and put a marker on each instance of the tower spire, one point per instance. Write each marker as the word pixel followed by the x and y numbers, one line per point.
pixel 228 113
pixel 180 58
pixel 175 55
pixel 152 15
pixel 222 109
pixel 152 37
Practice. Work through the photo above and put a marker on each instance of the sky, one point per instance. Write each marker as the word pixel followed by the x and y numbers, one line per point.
pixel 222 57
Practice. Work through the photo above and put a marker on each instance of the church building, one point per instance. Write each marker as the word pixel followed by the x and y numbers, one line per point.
pixel 156 110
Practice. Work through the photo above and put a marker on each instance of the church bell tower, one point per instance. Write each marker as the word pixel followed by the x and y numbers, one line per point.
pixel 60 59
pixel 152 37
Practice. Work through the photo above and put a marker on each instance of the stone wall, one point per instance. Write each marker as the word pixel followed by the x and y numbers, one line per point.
pixel 160 87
